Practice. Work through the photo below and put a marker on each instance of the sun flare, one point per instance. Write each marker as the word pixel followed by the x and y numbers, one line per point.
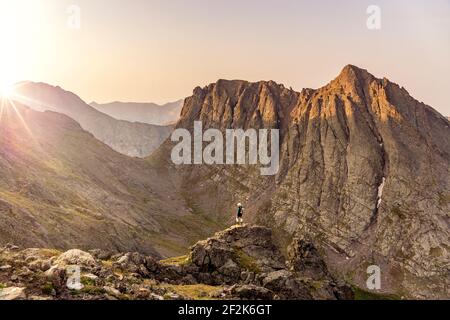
pixel 6 89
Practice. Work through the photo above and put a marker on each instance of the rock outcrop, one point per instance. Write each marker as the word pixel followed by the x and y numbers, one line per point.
pixel 304 258
pixel 241 263
pixel 12 293
pixel 247 248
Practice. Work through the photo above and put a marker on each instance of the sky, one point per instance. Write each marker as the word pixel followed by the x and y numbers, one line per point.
pixel 159 50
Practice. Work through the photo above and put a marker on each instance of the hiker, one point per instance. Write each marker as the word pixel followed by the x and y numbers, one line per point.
pixel 240 212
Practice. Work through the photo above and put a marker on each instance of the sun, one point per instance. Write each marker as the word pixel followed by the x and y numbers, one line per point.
pixel 6 89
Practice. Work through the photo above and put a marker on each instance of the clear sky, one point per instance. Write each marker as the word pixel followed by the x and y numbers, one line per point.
pixel 159 50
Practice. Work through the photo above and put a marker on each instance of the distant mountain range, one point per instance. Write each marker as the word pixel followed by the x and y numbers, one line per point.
pixel 151 113
pixel 129 138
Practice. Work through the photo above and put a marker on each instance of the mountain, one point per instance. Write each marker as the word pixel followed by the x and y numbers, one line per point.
pixel 151 113
pixel 62 188
pixel 364 178
pixel 133 139
pixel 364 172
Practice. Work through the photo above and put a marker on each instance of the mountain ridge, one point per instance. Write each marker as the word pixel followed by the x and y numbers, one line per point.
pixel 133 139
pixel 151 113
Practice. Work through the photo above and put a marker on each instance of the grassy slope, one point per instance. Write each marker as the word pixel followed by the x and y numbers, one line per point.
pixel 60 187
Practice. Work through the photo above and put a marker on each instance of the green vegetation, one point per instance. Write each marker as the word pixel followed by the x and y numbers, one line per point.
pixel 47 289
pixel 247 262
pixel 190 227
pixel 176 261
pixel 49 253
pixel 93 290
pixel 194 292
pixel 2 286
pixel 107 264
pixel 87 281
pixel 361 294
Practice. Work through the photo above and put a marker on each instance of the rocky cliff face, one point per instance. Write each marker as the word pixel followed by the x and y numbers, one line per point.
pixel 238 263
pixel 364 173
pixel 136 139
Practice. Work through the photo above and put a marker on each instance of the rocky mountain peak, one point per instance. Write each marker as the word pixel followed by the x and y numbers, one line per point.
pixel 355 157
pixel 351 72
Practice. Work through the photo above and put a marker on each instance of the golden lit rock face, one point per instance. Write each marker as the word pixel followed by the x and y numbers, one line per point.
pixel 364 169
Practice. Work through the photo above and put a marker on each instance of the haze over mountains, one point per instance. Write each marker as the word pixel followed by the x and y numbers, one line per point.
pixel 129 138
pixel 151 113
pixel 364 176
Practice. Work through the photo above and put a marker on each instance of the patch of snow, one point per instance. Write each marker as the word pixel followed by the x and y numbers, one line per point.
pixel 380 191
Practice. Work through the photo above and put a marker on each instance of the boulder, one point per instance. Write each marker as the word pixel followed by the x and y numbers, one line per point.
pixel 286 285
pixel 112 291
pixel 57 276
pixel 250 292
pixel 238 249
pixel 133 262
pixel 39 265
pixel 12 293
pixel 11 247
pixel 101 254
pixel 76 257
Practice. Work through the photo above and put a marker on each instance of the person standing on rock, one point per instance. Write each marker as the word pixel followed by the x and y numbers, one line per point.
pixel 240 213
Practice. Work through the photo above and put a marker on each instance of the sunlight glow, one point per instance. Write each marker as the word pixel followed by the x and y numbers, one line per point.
pixel 6 89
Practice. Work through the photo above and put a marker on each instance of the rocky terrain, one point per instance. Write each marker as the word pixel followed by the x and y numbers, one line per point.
pixel 151 113
pixel 365 173
pixel 135 139
pixel 239 263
